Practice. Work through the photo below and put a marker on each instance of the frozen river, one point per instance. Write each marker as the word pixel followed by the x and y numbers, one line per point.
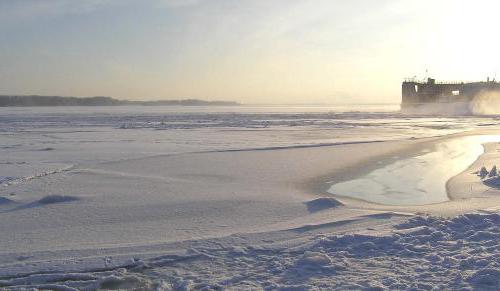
pixel 38 140
pixel 147 194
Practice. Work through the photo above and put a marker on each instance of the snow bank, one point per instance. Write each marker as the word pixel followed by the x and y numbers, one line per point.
pixel 423 253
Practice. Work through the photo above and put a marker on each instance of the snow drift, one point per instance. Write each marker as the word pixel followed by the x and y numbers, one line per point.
pixel 421 253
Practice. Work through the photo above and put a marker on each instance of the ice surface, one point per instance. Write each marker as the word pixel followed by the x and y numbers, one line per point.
pixel 45 139
pixel 417 180
pixel 173 198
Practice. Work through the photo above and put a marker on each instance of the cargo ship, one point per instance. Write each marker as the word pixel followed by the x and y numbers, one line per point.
pixel 415 93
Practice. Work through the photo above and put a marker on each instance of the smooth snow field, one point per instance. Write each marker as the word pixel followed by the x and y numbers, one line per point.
pixel 247 198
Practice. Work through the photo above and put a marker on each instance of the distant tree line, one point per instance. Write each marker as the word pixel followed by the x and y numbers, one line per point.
pixel 36 100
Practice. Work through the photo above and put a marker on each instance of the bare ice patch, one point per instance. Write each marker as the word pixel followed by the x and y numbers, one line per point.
pixel 417 180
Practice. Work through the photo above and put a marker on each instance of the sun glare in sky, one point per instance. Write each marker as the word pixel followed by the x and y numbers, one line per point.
pixel 288 51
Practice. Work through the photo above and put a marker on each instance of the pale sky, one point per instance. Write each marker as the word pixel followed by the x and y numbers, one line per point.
pixel 261 51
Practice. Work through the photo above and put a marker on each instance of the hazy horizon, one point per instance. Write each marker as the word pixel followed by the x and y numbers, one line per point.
pixel 341 103
pixel 254 52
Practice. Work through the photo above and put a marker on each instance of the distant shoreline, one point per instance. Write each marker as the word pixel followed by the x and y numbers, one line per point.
pixel 37 100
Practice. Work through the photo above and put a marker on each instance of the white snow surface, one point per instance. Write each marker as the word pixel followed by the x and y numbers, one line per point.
pixel 420 253
pixel 168 198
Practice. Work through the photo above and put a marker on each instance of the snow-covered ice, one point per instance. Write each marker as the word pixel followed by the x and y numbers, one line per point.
pixel 420 253
pixel 213 198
